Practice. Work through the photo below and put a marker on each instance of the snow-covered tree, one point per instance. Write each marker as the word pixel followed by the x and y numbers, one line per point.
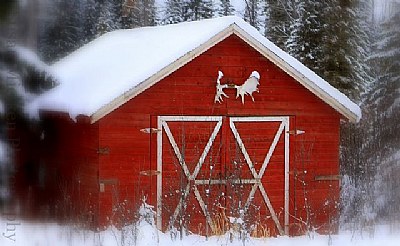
pixel 90 15
pixel 278 21
pixel 188 10
pixel 283 23
pixel 109 17
pixel 346 64
pixel 252 13
pixel 175 11
pixel 22 77
pixel 63 32
pixel 296 10
pixel 386 60
pixel 385 103
pixel 327 38
pixel 200 9
pixel 137 13
pixel 5 9
pixel 311 34
pixel 225 8
pixel 370 150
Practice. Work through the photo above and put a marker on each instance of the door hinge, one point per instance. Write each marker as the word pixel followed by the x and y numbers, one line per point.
pixel 295 132
pixel 103 151
pixel 150 130
pixel 104 182
pixel 149 172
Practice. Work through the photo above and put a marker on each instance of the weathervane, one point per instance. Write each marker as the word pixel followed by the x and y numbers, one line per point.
pixel 247 88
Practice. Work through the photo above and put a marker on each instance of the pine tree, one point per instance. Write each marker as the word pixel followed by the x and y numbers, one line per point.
pixel 363 39
pixel 90 17
pixel 278 22
pixel 386 60
pixel 295 11
pixel 328 39
pixel 282 23
pixel 380 151
pixel 65 32
pixel 252 13
pixel 346 50
pixel 310 34
pixel 200 9
pixel 379 132
pixel 176 11
pixel 188 10
pixel 5 9
pixel 109 17
pixel 384 95
pixel 335 66
pixel 22 77
pixel 225 8
pixel 136 13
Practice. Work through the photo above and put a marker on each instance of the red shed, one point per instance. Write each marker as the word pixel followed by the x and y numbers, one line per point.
pixel 209 120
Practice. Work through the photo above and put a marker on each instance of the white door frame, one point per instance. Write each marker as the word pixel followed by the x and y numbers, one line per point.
pixel 255 181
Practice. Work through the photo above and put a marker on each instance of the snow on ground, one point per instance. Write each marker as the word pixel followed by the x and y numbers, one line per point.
pixel 23 233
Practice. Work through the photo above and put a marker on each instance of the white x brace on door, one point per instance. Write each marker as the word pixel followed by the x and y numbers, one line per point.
pixel 194 181
pixel 257 177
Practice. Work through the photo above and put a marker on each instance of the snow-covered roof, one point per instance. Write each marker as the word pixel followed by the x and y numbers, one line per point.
pixel 109 71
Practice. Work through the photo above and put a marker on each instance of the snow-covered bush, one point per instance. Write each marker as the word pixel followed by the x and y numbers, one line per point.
pixel 146 213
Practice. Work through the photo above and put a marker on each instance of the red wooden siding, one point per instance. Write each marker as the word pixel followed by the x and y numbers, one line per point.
pixel 74 155
pixel 127 155
pixel 64 170
pixel 190 91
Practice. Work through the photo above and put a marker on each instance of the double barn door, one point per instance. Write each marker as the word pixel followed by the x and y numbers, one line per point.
pixel 217 171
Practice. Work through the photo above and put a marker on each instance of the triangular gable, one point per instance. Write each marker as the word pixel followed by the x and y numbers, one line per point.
pixel 197 37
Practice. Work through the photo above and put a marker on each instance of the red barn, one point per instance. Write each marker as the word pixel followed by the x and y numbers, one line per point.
pixel 208 120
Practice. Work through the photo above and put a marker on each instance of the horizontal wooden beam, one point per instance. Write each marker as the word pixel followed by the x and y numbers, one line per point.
pixel 108 181
pixel 327 177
